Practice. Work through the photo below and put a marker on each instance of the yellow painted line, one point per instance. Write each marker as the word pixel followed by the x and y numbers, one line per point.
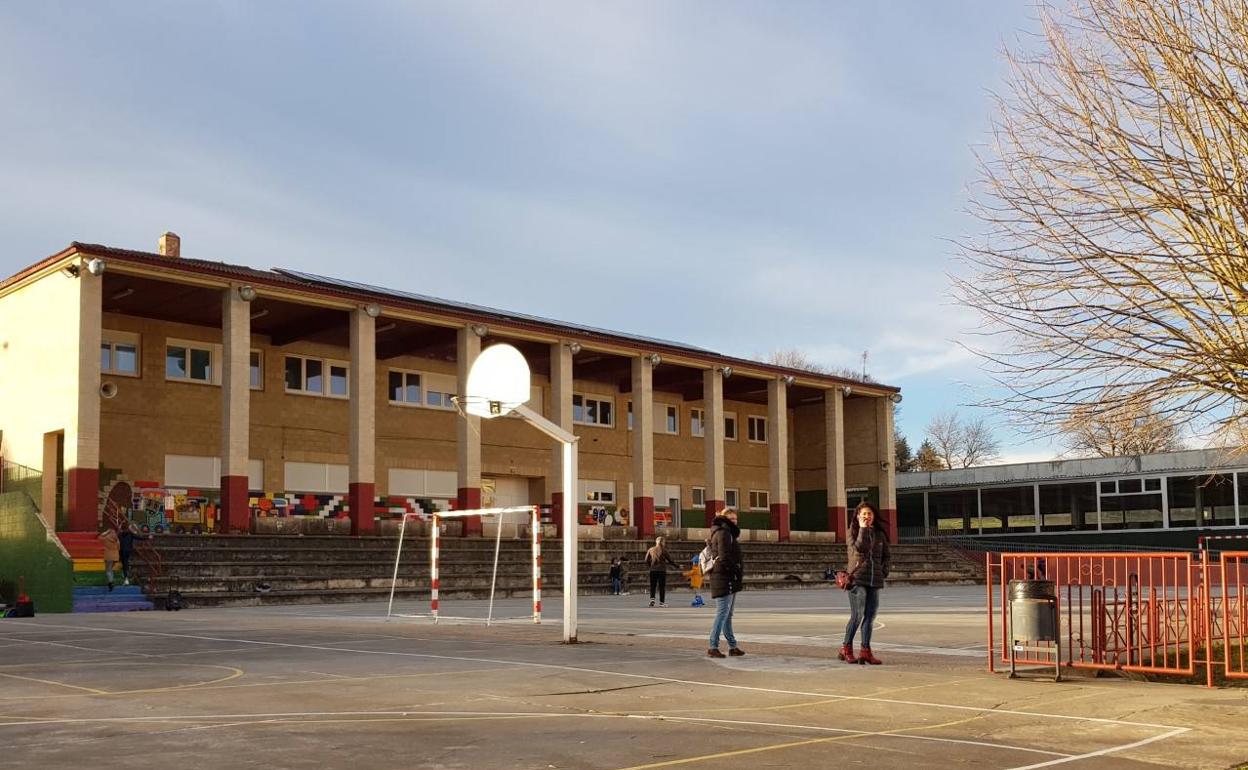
pixel 54 684
pixel 739 752
pixel 88 565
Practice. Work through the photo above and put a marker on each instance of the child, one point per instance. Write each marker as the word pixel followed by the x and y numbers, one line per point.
pixel 695 581
pixel 615 576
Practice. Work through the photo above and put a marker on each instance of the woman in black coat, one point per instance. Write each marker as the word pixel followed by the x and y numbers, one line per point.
pixel 727 579
pixel 869 561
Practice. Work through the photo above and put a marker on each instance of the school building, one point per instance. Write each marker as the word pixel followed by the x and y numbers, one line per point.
pixel 225 394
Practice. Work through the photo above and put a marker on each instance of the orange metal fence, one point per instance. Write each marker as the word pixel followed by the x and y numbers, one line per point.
pixel 1156 613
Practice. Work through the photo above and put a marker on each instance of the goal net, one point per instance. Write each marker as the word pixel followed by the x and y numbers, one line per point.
pixel 529 513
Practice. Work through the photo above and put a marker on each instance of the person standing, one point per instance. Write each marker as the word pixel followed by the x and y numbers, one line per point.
pixel 108 536
pixel 615 576
pixel 869 562
pixel 126 541
pixel 657 559
pixel 727 578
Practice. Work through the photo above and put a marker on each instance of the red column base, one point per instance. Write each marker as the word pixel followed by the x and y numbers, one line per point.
pixel 837 523
pixel 643 516
pixel 713 508
pixel 361 502
pixel 83 503
pixel 890 523
pixel 556 512
pixel 469 498
pixel 780 520
pixel 235 513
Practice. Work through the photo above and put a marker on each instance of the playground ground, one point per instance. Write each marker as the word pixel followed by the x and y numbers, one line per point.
pixel 331 686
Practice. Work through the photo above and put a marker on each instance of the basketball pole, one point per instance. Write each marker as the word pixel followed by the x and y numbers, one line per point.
pixel 570 578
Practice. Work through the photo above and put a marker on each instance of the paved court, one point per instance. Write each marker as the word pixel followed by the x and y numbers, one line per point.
pixel 339 687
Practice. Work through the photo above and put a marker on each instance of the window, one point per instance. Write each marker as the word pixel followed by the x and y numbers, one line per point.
pixel 592 411
pixel 1007 509
pixel 630 415
pixel 592 491
pixel 119 354
pixel 666 419
pixel 421 389
pixel 730 426
pixel 190 362
pixel 1202 501
pixel 307 376
pixel 697 424
pixel 756 429
pixel 698 495
pixel 257 370
pixel 1067 507
pixel 759 500
pixel 730 498
pixel 1131 504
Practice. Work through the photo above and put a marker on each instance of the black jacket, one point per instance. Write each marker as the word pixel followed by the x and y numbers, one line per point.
pixel 869 557
pixel 728 575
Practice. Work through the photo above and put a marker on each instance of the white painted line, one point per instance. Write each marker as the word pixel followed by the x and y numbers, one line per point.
pixel 1103 752
pixel 670 680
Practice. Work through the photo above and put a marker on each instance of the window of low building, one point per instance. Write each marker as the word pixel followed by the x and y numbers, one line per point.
pixel 119 354
pixel 1066 507
pixel 1201 501
pixel 759 500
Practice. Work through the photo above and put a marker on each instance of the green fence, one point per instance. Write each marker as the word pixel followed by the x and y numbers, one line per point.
pixel 19 478
pixel 31 555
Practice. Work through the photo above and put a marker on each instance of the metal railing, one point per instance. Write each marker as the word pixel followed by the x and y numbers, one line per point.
pixel 19 478
pixel 116 506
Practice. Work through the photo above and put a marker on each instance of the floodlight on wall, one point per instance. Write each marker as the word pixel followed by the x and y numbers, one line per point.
pixel 480 330
pixel 789 380
pixel 71 271
pixel 96 266
pixel 846 391
pixel 895 398
pixel 372 310
pixel 247 293
pixel 883 465
pixel 655 359
pixel 727 371
pixel 574 347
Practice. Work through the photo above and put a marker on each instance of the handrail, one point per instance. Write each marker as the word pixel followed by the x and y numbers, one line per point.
pixel 143 549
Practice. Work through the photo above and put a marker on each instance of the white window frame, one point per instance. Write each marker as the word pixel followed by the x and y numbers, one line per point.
pixel 736 427
pixel 431 384
pixel 751 428
pixel 584 397
pixel 662 414
pixel 260 366
pixel 111 340
pixel 694 494
pixel 735 496
pixel 629 409
pixel 327 365
pixel 697 422
pixel 760 494
pixel 214 360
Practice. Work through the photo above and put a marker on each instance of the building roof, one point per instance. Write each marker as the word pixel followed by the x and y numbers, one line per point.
pixel 316 284
pixel 1195 460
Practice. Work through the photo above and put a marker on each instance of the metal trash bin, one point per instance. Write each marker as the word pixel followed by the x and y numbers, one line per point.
pixel 1033 618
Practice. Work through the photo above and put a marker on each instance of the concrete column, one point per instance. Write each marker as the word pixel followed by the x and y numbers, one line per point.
pixel 713 405
pixel 468 347
pixel 888 473
pixel 82 435
pixel 561 415
pixel 235 410
pixel 362 483
pixel 834 422
pixel 778 455
pixel 643 445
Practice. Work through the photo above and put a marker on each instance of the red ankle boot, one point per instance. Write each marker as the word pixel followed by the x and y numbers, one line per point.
pixel 865 656
pixel 847 654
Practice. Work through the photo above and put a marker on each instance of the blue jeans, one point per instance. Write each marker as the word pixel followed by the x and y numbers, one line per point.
pixel 616 583
pixel 723 621
pixel 864 602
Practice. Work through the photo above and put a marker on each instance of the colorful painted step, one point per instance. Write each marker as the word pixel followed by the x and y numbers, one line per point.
pixel 100 599
pixel 82 545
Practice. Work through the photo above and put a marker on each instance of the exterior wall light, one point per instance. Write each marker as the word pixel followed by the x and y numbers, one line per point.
pixel 895 398
pixel 727 370
pixel 574 347
pixel 846 390
pixel 372 310
pixel 95 266
pixel 247 293
pixel 789 380
pixel 480 330
pixel 655 359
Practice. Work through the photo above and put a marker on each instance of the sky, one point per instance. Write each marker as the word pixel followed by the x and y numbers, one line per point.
pixel 738 176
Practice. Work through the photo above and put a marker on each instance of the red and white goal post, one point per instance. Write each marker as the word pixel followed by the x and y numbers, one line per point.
pixel 435 557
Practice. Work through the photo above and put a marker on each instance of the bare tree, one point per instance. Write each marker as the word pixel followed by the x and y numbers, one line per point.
pixel 1112 271
pixel 793 358
pixel 1101 433
pixel 958 443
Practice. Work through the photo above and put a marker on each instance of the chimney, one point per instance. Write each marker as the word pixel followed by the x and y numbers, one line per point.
pixel 170 245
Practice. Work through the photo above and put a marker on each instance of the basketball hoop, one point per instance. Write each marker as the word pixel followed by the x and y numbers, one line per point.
pixel 497 383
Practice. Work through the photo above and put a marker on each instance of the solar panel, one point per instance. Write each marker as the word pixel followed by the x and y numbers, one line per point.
pixel 504 315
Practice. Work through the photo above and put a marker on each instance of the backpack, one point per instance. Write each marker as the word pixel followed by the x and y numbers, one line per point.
pixel 706 559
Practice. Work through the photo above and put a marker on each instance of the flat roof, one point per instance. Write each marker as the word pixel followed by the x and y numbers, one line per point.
pixel 1084 468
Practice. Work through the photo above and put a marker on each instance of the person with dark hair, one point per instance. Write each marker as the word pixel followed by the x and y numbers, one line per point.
pixel 126 542
pixel 657 559
pixel 727 579
pixel 869 561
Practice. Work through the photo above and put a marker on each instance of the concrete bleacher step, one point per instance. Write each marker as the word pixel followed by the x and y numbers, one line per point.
pixel 123 598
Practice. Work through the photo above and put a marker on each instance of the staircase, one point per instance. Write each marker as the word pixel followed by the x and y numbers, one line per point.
pixel 240 570
pixel 91 592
